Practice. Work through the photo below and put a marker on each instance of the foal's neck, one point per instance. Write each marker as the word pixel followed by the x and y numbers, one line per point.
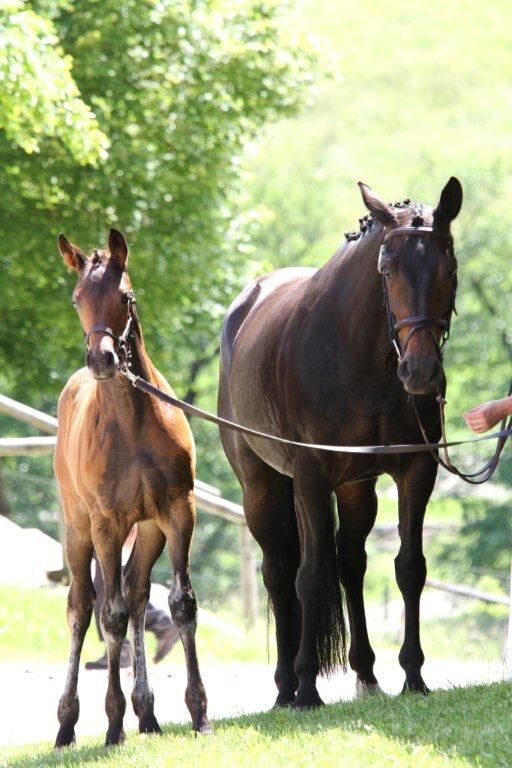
pixel 118 396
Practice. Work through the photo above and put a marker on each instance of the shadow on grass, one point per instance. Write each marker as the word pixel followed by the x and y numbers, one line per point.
pixel 471 723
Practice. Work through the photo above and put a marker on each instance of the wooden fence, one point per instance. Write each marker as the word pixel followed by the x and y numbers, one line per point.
pixel 208 498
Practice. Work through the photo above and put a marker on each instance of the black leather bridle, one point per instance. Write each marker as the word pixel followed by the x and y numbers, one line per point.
pixel 416 322
pixel 122 342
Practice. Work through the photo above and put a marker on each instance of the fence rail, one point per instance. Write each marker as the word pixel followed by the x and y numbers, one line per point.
pixel 209 500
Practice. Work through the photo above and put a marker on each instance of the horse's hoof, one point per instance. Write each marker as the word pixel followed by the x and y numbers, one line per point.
pixel 65 737
pixel 416 686
pixel 284 700
pixel 149 724
pixel 114 737
pixel 363 690
pixel 310 700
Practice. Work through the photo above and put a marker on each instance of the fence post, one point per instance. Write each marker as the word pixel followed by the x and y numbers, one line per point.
pixel 508 649
pixel 249 579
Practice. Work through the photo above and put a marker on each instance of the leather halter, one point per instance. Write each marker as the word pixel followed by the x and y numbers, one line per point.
pixel 416 322
pixel 122 341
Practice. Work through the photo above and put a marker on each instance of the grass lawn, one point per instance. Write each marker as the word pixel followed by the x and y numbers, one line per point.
pixel 457 728
pixel 33 626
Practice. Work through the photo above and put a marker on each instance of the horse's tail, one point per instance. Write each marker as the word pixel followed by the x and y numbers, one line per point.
pixel 331 634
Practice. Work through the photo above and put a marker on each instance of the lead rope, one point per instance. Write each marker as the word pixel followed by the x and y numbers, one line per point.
pixel 474 478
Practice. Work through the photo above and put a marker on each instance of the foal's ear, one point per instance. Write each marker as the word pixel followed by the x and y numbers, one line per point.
pixel 72 255
pixel 382 211
pixel 118 248
pixel 449 204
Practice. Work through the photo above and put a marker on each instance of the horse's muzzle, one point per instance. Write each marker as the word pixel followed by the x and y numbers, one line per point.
pixel 421 375
pixel 102 363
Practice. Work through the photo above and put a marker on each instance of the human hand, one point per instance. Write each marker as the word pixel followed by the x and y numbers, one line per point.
pixel 483 417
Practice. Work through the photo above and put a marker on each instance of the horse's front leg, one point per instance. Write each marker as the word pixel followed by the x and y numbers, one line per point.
pixel 414 488
pixel 322 645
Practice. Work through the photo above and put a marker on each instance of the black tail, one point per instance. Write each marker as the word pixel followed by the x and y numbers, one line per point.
pixel 331 637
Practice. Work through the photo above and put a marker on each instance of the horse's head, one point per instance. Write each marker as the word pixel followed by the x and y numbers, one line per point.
pixel 103 299
pixel 419 273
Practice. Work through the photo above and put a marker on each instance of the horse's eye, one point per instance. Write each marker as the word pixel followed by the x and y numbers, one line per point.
pixel 385 271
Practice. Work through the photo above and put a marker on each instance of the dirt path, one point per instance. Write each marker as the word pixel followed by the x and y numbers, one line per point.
pixel 28 712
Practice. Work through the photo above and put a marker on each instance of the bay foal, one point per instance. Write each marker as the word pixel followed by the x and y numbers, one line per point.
pixel 122 458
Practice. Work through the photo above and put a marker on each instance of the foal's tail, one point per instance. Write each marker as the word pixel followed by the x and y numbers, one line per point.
pixel 331 635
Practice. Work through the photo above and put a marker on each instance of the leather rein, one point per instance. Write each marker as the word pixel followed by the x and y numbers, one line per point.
pixel 123 344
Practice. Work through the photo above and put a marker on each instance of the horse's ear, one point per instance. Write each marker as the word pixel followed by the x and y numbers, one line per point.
pixel 118 248
pixel 382 211
pixel 72 255
pixel 449 204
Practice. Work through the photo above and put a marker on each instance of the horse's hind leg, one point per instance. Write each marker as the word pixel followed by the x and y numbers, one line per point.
pixel 270 514
pixel 414 489
pixel 183 605
pixel 80 604
pixel 136 586
pixel 108 539
pixel 322 644
pixel 357 505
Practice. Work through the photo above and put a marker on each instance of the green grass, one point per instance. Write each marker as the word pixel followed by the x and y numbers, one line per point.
pixel 33 626
pixel 458 728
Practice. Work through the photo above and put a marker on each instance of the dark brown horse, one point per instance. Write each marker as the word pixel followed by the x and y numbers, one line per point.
pixel 122 458
pixel 307 354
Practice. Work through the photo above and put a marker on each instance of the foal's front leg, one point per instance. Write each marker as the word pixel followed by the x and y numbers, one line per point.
pixel 414 489
pixel 183 605
pixel 136 583
pixel 108 541
pixel 80 603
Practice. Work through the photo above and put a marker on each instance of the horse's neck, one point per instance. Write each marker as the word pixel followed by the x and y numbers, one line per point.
pixel 350 289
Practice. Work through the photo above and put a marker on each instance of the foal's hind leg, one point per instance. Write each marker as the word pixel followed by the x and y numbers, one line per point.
pixel 80 603
pixel 108 538
pixel 183 605
pixel 357 505
pixel 414 489
pixel 136 586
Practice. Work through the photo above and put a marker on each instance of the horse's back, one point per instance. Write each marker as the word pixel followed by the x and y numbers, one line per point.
pixel 261 291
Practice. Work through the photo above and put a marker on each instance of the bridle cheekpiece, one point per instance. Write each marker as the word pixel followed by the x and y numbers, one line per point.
pixel 123 342
pixel 416 322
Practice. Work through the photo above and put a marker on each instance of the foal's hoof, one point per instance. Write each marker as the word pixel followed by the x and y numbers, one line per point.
pixel 363 690
pixel 416 686
pixel 205 728
pixel 114 737
pixel 149 724
pixel 65 737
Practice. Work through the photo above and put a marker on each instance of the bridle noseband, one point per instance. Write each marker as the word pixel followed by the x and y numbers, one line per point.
pixel 123 341
pixel 417 322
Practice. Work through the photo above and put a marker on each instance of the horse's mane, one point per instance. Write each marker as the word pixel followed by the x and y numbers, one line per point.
pixel 367 222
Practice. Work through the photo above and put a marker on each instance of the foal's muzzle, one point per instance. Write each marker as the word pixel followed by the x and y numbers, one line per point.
pixel 102 363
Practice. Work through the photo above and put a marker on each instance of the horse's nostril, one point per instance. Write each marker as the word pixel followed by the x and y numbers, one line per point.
pixel 404 371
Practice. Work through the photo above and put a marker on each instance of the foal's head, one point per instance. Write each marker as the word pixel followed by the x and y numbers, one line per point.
pixel 419 273
pixel 102 298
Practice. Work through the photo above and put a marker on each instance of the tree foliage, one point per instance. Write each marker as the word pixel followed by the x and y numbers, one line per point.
pixel 175 89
